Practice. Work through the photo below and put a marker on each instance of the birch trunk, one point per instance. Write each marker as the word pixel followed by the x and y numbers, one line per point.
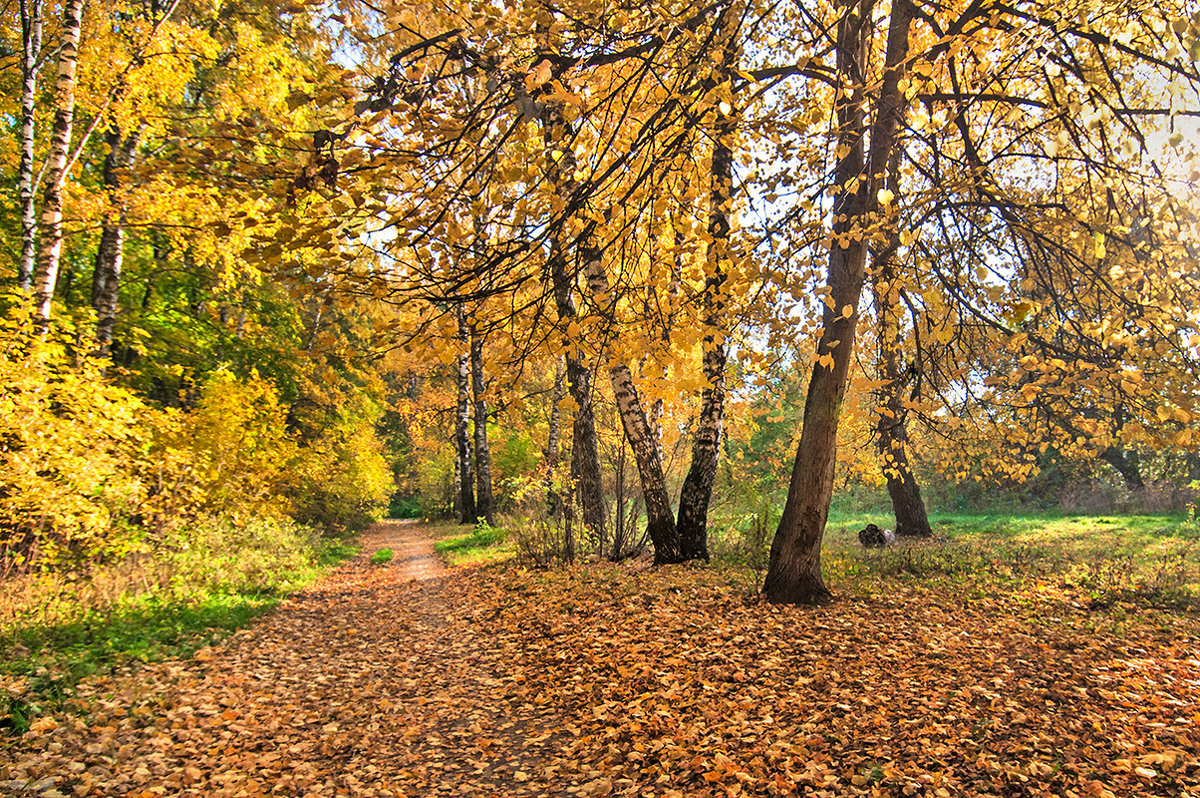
pixel 660 517
pixel 696 493
pixel 31 53
pixel 585 450
pixel 462 418
pixel 483 458
pixel 106 277
pixel 794 570
pixel 46 274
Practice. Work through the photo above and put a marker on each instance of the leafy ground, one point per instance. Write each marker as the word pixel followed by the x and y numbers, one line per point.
pixel 40 663
pixel 405 679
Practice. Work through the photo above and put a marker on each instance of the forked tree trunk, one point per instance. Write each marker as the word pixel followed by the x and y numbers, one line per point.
pixel 660 517
pixel 31 53
pixel 106 277
pixel 794 571
pixel 46 274
pixel 483 458
pixel 907 504
pixel 585 450
pixel 1127 464
pixel 696 493
pixel 462 418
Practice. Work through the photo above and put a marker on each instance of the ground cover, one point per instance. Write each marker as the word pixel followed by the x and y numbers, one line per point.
pixel 405 678
pixel 45 654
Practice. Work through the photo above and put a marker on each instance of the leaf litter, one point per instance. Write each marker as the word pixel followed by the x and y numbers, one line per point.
pixel 408 680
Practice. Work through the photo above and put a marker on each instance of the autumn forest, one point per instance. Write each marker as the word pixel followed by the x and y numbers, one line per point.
pixel 596 398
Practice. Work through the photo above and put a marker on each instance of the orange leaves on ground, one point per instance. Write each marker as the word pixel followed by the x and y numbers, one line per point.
pixel 609 680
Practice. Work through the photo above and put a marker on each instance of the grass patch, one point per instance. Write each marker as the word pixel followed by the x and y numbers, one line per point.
pixel 41 663
pixel 483 544
pixel 382 556
pixel 1148 560
pixel 1145 559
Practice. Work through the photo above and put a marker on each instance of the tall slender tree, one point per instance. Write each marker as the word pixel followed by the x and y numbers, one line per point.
pixel 46 273
pixel 31 56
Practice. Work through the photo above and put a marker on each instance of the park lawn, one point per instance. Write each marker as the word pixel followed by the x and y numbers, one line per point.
pixel 1152 559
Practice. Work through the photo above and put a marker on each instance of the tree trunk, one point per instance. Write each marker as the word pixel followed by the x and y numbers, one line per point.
pixel 462 419
pixel 891 425
pixel 585 451
pixel 106 277
pixel 660 518
pixel 794 572
pixel 1127 464
pixel 46 273
pixel 553 500
pixel 31 53
pixel 696 493
pixel 483 458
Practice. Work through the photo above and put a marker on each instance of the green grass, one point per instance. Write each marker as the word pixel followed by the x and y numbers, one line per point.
pixel 382 556
pixel 40 664
pixel 483 544
pixel 1151 560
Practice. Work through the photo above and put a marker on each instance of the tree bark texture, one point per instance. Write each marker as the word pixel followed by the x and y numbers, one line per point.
pixel 660 517
pixel 46 273
pixel 794 570
pixel 462 418
pixel 891 425
pixel 106 276
pixel 553 499
pixel 585 450
pixel 483 458
pixel 31 53
pixel 696 493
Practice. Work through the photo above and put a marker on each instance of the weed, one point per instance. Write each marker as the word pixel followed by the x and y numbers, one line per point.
pixel 382 556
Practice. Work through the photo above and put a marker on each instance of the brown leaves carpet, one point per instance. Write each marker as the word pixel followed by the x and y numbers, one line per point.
pixel 602 680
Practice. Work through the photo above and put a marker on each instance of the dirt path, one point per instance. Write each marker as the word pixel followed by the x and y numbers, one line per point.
pixel 368 683
pixel 415 557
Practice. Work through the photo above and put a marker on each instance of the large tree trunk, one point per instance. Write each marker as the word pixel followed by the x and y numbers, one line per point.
pixel 794 572
pixel 891 425
pixel 483 457
pixel 585 450
pixel 31 52
pixel 106 277
pixel 696 493
pixel 660 517
pixel 46 273
pixel 462 417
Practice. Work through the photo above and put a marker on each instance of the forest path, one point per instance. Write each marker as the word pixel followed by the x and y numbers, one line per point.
pixel 368 683
pixel 606 680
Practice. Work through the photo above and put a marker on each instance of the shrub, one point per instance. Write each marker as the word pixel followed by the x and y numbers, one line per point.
pixel 342 481
pixel 382 556
pixel 70 449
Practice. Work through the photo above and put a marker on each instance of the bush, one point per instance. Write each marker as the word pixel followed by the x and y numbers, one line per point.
pixel 342 481
pixel 404 507
pixel 382 556
pixel 71 451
